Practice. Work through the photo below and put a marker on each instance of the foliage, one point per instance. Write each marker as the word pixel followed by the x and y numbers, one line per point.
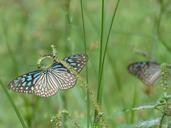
pixel 131 31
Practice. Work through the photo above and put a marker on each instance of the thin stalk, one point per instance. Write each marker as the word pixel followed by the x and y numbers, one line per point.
pixel 108 37
pixel 102 59
pixel 100 55
pixel 34 107
pixel 67 24
pixel 13 105
pixel 24 8
pixel 162 7
pixel 5 27
pixel 133 105
pixel 161 120
pixel 67 49
pixel 15 67
pixel 85 51
pixel 64 106
pixel 98 99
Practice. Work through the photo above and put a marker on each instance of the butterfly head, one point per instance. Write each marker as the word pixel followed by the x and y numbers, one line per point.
pixel 135 67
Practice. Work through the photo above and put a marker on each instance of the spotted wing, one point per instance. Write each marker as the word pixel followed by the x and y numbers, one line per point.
pixel 44 83
pixel 77 61
pixel 45 86
pixel 147 72
pixel 55 78
pixel 25 83
pixel 47 83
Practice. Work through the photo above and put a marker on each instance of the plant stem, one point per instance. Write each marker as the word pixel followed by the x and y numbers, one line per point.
pixel 102 56
pixel 5 28
pixel 100 60
pixel 67 50
pixel 13 105
pixel 85 51
pixel 162 7
pixel 161 120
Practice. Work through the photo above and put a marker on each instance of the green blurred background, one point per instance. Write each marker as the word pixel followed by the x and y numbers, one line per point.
pixel 28 28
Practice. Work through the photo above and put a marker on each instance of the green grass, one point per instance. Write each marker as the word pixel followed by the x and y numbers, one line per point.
pixel 112 33
pixel 13 105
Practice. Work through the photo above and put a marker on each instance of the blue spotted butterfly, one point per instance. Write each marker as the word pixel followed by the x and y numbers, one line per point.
pixel 45 83
pixel 147 72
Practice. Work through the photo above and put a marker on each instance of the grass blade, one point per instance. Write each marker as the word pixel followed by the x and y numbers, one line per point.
pixel 85 51
pixel 102 56
pixel 13 105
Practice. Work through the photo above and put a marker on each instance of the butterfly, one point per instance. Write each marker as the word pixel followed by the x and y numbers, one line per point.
pixel 45 83
pixel 147 72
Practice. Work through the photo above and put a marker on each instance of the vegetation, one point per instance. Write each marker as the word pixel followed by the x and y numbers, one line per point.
pixel 113 33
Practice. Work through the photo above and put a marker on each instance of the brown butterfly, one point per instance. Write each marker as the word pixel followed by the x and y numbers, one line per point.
pixel 148 72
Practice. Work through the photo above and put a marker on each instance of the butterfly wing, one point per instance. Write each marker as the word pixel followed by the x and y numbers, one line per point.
pixel 62 76
pixel 47 83
pixel 147 72
pixel 25 83
pixel 55 78
pixel 44 83
pixel 77 61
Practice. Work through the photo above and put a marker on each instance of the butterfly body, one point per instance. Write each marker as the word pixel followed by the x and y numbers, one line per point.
pixel 45 83
pixel 147 72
